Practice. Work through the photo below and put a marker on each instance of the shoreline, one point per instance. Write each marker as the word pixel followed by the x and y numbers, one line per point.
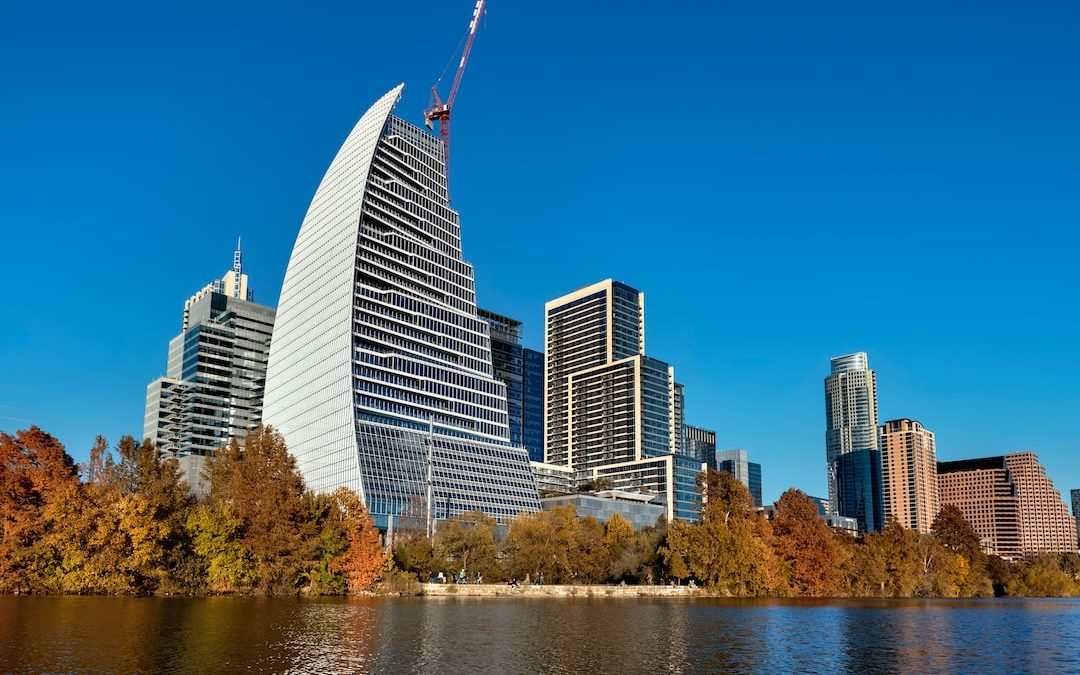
pixel 561 591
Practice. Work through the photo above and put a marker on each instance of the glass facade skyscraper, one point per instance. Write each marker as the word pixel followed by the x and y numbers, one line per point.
pixel 380 375
pixel 522 371
pixel 532 430
pixel 216 371
pixel 858 488
pixel 700 445
pixel 737 463
pixel 851 425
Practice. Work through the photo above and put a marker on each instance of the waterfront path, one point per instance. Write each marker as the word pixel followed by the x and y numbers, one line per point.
pixel 558 591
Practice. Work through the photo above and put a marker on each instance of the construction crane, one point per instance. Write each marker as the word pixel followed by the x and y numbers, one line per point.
pixel 441 111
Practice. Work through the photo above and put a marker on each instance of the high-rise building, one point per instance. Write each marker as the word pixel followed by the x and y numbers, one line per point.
pixel 506 362
pixel 1011 503
pixel 737 463
pixel 909 485
pixel 380 375
pixel 1076 509
pixel 612 412
pixel 216 370
pixel 700 445
pixel 851 425
pixel 532 426
pixel 522 371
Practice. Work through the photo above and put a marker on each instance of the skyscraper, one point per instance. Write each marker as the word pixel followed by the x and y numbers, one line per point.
pixel 851 426
pixel 522 371
pixel 613 413
pixel 700 445
pixel 1011 503
pixel 1076 509
pixel 380 375
pixel 216 370
pixel 532 426
pixel 737 463
pixel 909 474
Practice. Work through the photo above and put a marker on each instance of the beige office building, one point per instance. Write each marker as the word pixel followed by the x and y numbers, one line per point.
pixel 909 482
pixel 1011 503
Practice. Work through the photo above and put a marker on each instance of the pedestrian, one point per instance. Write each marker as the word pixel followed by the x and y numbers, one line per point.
pixel 540 579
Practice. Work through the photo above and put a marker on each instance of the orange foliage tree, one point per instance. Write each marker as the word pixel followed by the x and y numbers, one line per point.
pixel 363 557
pixel 35 472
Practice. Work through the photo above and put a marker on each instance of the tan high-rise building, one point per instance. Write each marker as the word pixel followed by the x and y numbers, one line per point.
pixel 1011 503
pixel 909 474
pixel 613 413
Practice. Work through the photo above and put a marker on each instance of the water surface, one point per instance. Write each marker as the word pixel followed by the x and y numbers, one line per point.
pixel 536 635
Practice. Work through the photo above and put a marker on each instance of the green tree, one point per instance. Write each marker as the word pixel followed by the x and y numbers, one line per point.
pixel 216 533
pixel 954 533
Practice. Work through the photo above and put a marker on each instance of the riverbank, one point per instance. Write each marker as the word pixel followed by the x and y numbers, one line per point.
pixel 559 591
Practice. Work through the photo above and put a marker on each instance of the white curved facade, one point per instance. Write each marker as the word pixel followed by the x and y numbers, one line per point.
pixel 378 358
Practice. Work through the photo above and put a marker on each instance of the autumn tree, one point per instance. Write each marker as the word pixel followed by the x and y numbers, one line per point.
pixel 128 534
pixel 362 559
pixel 259 485
pixel 721 551
pixel 546 542
pixel 619 535
pixel 467 542
pixel 805 544
pixel 953 532
pixel 640 560
pixel 36 475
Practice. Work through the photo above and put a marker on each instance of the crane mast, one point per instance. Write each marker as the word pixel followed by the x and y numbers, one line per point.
pixel 440 110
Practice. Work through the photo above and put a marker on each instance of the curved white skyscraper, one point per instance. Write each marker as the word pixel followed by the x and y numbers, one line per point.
pixel 380 370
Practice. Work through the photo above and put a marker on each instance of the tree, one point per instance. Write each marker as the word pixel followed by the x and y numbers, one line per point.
pixel 640 560
pixel 723 550
pixel 216 539
pixel 262 488
pixel 363 558
pixel 545 542
pixel 467 542
pixel 955 533
pixel 35 472
pixel 619 535
pixel 805 544
pixel 136 508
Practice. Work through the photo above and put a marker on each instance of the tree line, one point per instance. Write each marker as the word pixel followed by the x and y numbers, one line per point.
pixel 735 550
pixel 125 523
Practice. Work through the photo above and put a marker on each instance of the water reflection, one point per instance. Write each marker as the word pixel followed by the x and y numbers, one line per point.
pixel 502 635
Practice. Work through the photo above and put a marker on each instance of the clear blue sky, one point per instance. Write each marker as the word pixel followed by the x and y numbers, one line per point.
pixel 786 182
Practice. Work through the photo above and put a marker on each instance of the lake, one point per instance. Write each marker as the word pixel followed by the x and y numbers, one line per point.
pixel 536 635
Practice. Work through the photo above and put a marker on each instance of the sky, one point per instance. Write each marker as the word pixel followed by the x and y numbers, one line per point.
pixel 785 181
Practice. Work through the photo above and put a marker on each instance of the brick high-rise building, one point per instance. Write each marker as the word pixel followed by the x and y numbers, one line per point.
pixel 909 486
pixel 1010 502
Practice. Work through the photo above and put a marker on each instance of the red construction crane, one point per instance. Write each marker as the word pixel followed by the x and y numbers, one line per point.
pixel 441 111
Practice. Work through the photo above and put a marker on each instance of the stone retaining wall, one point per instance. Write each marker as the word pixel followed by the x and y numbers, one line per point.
pixel 557 591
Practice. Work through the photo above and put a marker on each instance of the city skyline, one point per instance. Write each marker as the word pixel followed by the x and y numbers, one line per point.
pixel 734 295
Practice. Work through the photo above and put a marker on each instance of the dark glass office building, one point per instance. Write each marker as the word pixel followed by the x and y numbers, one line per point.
pixel 858 488
pixel 700 444
pixel 532 405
